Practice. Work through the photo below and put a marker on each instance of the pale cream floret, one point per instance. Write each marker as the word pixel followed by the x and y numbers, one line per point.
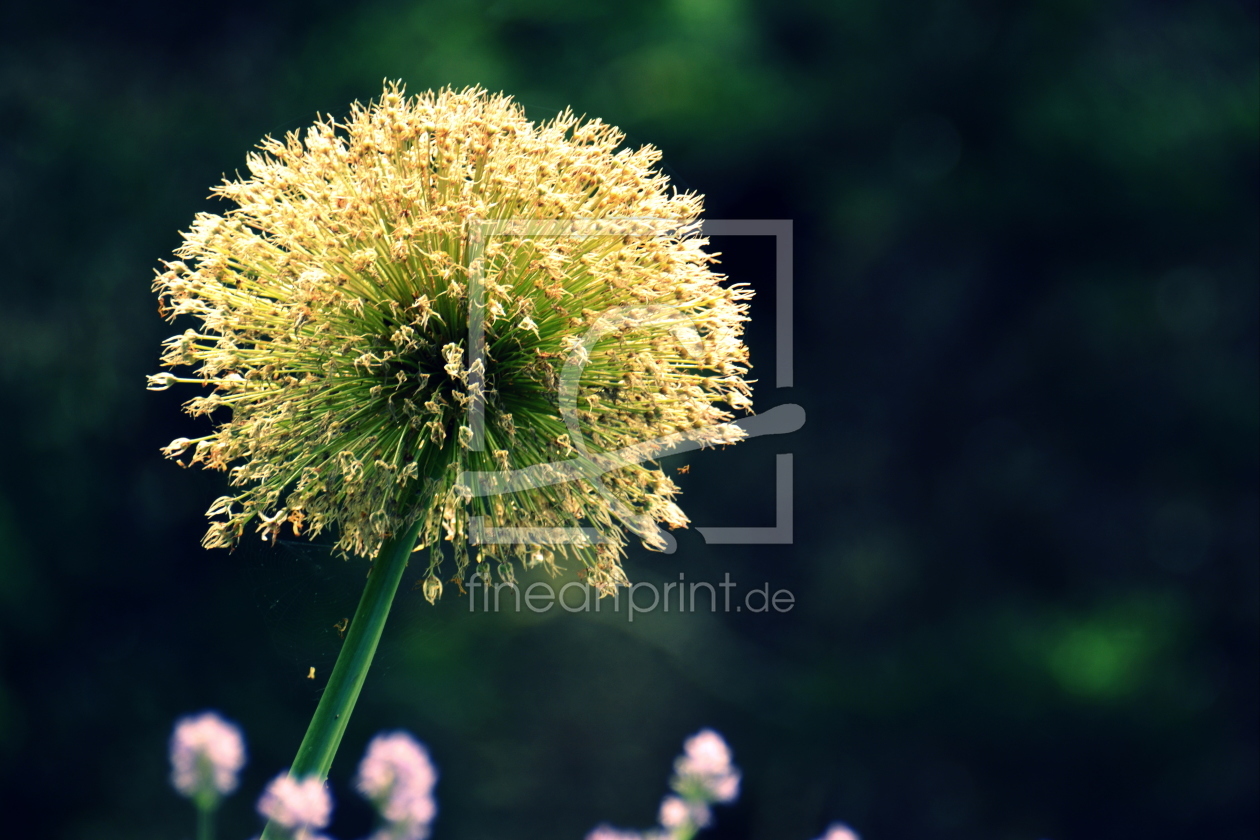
pixel 334 301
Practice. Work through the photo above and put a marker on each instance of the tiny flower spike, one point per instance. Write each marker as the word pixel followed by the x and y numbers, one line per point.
pixel 703 775
pixel 704 771
pixel 297 807
pixel 397 776
pixel 440 312
pixel 207 752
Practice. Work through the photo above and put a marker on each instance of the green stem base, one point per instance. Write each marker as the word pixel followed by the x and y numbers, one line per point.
pixel 323 736
pixel 205 824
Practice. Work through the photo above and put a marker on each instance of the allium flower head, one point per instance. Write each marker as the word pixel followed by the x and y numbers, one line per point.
pixel 297 806
pixel 397 775
pixel 207 753
pixel 439 289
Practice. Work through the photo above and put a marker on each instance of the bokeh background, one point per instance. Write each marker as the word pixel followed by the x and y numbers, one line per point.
pixel 1025 556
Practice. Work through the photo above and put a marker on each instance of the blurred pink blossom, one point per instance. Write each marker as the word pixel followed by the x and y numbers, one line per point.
pixel 605 832
pixel 206 754
pixel 674 812
pixel 677 812
pixel 397 775
pixel 703 774
pixel 707 762
pixel 296 805
pixel 839 831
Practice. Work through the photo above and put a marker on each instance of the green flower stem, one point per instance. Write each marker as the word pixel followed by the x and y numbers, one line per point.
pixel 323 736
pixel 205 824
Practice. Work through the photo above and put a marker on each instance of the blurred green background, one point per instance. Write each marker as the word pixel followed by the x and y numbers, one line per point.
pixel 1026 540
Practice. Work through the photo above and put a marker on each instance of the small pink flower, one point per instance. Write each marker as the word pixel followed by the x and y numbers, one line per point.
pixel 674 812
pixel 706 754
pixel 707 762
pixel 397 775
pixel 677 812
pixel 206 754
pixel 296 805
pixel 605 832
pixel 839 831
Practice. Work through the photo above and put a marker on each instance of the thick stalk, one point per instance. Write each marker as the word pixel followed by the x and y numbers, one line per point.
pixel 323 736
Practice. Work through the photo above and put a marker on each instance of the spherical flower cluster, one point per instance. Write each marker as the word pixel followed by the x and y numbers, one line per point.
pixel 440 289
pixel 299 807
pixel 207 753
pixel 398 777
